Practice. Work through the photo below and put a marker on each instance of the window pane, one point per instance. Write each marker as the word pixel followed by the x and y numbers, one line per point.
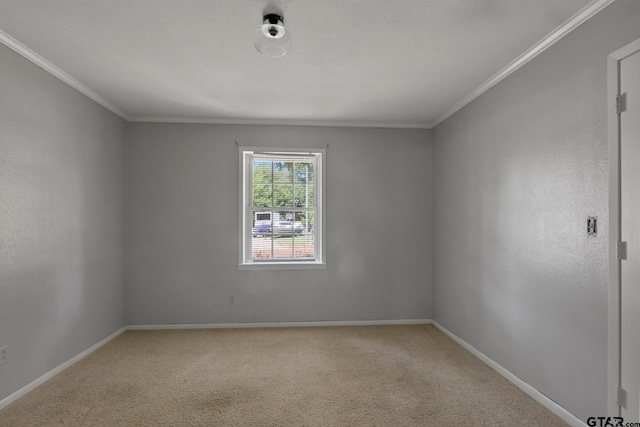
pixel 262 171
pixel 262 195
pixel 283 234
pixel 282 203
pixel 303 173
pixel 304 241
pixel 304 196
pixel 282 172
pixel 283 246
pixel 261 246
pixel 261 235
pixel 261 222
pixel 283 222
pixel 283 195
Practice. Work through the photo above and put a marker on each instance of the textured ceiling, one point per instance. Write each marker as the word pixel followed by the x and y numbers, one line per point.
pixel 372 63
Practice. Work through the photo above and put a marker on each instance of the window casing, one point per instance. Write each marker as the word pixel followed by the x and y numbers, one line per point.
pixel 281 197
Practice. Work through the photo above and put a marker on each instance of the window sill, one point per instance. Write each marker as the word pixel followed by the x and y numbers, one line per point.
pixel 283 266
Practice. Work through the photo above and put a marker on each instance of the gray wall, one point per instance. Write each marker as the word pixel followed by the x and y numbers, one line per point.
pixel 61 221
pixel 517 173
pixel 182 227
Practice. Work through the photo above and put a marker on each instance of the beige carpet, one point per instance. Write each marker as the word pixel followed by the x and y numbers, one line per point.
pixel 340 376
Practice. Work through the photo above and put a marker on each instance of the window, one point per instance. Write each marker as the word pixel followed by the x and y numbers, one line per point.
pixel 281 208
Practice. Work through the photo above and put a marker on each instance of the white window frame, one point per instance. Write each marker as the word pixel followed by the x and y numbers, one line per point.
pixel 245 211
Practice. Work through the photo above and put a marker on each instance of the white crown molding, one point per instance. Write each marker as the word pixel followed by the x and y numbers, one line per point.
pixel 583 15
pixel 552 406
pixel 277 122
pixel 32 56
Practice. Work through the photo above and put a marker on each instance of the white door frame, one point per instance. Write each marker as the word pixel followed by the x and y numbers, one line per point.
pixel 614 312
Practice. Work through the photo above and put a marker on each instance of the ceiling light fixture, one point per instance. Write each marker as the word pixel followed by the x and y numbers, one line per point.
pixel 273 40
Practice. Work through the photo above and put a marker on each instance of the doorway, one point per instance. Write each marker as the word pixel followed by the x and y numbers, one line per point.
pixel 624 222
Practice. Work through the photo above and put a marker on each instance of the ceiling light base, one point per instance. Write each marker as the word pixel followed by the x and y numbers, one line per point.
pixel 273 40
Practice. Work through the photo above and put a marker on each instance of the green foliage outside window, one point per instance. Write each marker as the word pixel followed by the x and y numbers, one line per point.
pixel 283 184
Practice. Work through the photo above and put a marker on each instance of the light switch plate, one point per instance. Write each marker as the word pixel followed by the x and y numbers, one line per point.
pixel 3 354
pixel 592 226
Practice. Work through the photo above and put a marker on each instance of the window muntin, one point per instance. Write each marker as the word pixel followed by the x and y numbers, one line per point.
pixel 281 218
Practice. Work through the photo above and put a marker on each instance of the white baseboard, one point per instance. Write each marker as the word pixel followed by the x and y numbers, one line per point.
pixel 281 324
pixel 565 415
pixel 55 371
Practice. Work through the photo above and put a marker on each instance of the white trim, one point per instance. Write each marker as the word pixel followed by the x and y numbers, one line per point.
pixel 29 54
pixel 282 324
pixel 293 265
pixel 280 122
pixel 246 154
pixel 55 371
pixel 583 15
pixel 614 312
pixel 245 179
pixel 626 51
pixel 565 415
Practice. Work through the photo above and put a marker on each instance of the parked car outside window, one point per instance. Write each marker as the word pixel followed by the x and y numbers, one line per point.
pixel 288 227
pixel 261 230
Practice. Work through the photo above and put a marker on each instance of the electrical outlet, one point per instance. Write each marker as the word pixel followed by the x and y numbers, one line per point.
pixel 232 299
pixel 3 354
